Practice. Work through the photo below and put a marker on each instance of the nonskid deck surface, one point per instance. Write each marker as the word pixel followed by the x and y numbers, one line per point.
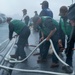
pixel 31 63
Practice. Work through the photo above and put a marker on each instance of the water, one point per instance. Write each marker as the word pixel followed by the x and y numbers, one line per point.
pixel 4 31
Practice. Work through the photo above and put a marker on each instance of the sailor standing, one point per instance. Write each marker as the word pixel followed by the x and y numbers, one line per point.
pixel 25 17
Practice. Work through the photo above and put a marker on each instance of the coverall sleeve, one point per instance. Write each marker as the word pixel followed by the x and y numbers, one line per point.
pixel 11 30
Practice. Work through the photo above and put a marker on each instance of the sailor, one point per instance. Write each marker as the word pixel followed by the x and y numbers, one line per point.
pixel 71 17
pixel 25 17
pixel 35 28
pixel 49 30
pixel 36 13
pixel 26 20
pixel 45 9
pixel 23 31
pixel 64 26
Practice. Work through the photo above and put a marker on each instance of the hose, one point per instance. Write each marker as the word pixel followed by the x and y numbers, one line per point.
pixel 34 71
pixel 68 68
pixel 12 61
pixel 57 54
pixel 39 71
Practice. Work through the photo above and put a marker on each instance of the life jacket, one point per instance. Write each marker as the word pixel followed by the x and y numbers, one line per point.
pixel 26 19
pixel 65 26
pixel 45 27
pixel 18 25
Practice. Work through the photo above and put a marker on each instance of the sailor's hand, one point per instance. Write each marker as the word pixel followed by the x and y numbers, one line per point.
pixel 47 38
pixel 42 38
pixel 60 43
pixel 61 49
